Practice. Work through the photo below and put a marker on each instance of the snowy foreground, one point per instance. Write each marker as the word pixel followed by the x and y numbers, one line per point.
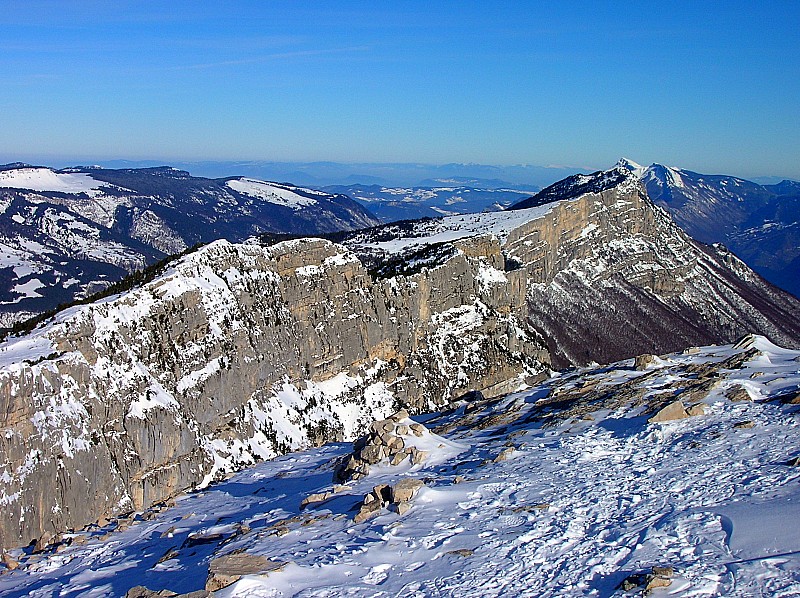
pixel 586 493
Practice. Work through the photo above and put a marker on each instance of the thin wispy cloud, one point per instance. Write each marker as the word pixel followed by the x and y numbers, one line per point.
pixel 270 57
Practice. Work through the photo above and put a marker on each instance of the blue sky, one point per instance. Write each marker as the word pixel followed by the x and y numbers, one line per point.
pixel 710 86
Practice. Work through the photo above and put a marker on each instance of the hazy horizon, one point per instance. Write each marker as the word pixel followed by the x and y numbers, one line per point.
pixel 708 88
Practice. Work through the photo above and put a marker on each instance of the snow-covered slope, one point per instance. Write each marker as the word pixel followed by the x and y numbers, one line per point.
pixel 565 489
pixel 66 234
pixel 759 223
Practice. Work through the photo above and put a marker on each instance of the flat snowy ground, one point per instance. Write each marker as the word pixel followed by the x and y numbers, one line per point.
pixel 577 506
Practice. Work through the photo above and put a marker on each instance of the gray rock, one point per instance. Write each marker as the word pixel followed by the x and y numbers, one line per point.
pixel 405 490
pixel 671 412
pixel 225 570
pixel 644 361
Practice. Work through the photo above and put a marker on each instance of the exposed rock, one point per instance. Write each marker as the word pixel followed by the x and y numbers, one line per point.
pixel 9 561
pixel 143 592
pixel 644 361
pixel 225 570
pixel 402 508
pixel 790 398
pixel 384 441
pixel 659 577
pixel 794 462
pixel 744 425
pixel 696 409
pixel 671 412
pixel 405 490
pixel 504 454
pixel 417 429
pixel 315 498
pixel 737 393
pixel 465 552
pixel 181 393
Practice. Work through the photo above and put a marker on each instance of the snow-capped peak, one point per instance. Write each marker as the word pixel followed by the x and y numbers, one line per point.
pixel 631 166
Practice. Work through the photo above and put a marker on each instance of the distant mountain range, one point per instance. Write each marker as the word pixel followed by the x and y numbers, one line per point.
pixel 388 174
pixel 433 198
pixel 68 233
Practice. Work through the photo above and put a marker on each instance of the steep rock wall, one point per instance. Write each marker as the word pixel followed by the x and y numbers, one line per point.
pixel 611 276
pixel 241 352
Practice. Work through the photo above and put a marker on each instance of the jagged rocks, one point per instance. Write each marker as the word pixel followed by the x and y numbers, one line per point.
pixel 383 496
pixel 389 440
pixel 737 393
pixel 225 570
pixel 644 361
pixel 405 489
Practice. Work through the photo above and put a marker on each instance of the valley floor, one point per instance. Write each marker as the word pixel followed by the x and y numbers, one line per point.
pixel 572 509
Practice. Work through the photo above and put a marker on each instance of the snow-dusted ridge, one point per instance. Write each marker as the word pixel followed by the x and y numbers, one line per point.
pixel 46 179
pixel 283 195
pixel 570 509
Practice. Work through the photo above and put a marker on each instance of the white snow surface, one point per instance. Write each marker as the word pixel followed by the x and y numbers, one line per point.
pixel 451 228
pixel 283 195
pixel 574 509
pixel 45 179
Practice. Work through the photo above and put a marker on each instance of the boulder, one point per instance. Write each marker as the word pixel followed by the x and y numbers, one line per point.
pixel 315 498
pixel 696 409
pixel 405 490
pixel 644 361
pixel 225 570
pixel 671 412
pixel 737 394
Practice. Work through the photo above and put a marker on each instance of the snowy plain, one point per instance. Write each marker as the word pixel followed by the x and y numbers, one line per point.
pixel 577 505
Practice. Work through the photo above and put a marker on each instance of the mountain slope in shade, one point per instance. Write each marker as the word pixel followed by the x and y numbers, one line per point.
pixel 565 489
pixel 759 223
pixel 66 234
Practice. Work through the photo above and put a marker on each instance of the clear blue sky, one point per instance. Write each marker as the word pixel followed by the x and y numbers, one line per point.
pixel 712 86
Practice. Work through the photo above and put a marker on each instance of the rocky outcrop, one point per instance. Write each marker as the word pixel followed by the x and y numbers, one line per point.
pixel 611 275
pixel 240 353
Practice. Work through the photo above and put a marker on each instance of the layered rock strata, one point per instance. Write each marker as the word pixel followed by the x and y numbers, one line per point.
pixel 239 353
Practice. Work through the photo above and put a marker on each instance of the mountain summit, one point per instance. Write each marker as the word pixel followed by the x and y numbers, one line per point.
pixel 759 223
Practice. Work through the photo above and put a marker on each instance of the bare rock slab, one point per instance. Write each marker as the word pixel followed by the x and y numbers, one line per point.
pixel 672 412
pixel 228 569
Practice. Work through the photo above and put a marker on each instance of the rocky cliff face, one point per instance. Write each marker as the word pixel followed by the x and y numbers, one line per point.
pixel 239 353
pixel 759 223
pixel 611 275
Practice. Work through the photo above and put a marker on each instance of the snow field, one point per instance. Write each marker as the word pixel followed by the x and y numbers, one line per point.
pixel 570 510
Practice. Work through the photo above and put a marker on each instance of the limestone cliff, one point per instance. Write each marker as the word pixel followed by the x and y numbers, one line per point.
pixel 238 353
